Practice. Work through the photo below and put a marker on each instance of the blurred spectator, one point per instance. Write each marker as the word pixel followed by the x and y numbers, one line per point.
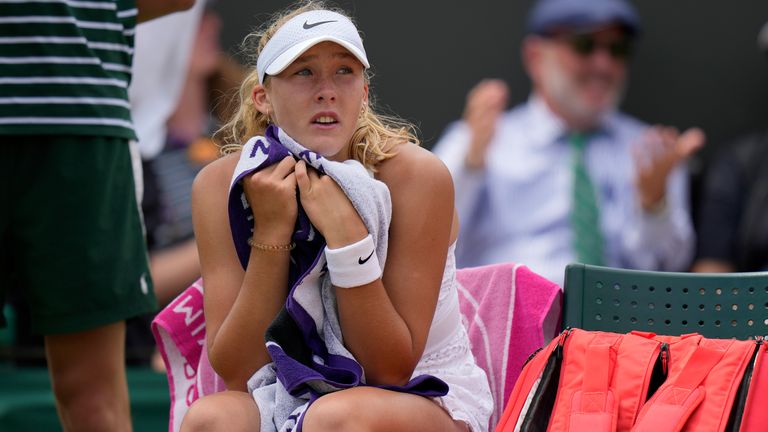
pixel 185 146
pixel 171 107
pixel 71 228
pixel 163 52
pixel 733 233
pixel 174 151
pixel 565 177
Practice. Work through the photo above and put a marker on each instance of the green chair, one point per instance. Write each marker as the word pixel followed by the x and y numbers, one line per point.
pixel 727 305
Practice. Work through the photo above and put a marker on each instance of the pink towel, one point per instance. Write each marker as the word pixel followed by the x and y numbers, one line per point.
pixel 510 312
pixel 179 331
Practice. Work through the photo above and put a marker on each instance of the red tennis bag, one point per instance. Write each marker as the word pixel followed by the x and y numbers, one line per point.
pixel 599 382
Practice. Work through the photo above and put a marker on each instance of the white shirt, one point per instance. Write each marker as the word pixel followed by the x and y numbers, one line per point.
pixel 160 63
pixel 517 208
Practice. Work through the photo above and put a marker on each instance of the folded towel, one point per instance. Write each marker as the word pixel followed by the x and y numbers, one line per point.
pixel 509 312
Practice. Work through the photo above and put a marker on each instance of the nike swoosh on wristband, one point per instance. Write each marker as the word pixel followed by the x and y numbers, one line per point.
pixel 362 261
pixel 308 26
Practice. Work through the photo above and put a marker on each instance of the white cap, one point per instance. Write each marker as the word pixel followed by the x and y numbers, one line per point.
pixel 304 31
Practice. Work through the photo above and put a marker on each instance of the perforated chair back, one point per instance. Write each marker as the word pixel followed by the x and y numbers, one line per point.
pixel 727 305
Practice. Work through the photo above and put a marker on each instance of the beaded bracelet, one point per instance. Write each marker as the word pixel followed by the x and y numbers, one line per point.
pixel 270 247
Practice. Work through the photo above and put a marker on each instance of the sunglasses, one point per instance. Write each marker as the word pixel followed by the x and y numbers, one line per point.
pixel 586 45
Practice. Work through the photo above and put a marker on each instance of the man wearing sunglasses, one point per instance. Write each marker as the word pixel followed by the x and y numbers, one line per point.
pixel 565 177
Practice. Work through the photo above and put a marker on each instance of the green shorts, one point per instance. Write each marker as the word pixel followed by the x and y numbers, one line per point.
pixel 71 235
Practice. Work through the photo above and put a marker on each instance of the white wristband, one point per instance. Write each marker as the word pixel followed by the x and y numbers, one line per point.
pixel 353 265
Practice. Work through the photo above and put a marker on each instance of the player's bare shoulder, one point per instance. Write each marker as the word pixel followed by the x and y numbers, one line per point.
pixel 416 169
pixel 213 180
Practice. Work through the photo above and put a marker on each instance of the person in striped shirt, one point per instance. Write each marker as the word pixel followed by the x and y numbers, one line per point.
pixel 71 231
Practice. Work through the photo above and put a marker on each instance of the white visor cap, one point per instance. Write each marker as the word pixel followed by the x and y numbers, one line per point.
pixel 301 33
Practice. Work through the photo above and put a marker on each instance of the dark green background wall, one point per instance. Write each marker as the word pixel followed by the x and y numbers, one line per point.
pixel 696 63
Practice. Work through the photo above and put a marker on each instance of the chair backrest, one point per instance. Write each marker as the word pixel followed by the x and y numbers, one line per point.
pixel 714 305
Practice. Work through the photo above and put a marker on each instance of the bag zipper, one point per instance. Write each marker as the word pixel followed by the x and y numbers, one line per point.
pixel 739 404
pixel 659 372
pixel 536 418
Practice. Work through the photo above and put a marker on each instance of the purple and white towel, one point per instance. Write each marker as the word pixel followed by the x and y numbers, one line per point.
pixel 304 341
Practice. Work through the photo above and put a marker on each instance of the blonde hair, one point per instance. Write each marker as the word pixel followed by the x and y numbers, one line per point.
pixel 375 136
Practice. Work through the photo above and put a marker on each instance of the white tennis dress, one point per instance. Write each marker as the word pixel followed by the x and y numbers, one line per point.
pixel 447 356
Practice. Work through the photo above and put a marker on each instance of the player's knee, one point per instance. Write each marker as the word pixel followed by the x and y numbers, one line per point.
pixel 337 412
pixel 204 415
pixel 222 412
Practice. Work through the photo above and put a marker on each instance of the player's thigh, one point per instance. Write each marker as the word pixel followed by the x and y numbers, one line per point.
pixel 226 411
pixel 374 409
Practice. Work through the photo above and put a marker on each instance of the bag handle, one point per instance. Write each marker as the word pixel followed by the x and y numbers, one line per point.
pixel 674 402
pixel 595 407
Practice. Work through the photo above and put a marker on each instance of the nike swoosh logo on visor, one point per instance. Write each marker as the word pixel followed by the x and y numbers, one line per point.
pixel 308 26
pixel 362 261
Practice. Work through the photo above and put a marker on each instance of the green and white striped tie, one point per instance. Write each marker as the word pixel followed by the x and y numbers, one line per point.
pixel 585 214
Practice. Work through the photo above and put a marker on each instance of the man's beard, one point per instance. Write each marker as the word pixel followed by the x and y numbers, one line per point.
pixel 564 91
